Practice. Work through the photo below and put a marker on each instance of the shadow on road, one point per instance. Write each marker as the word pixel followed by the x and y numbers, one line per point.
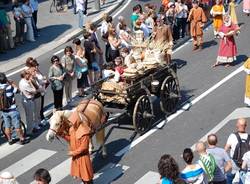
pixel 47 34
pixel 180 63
pixel 209 44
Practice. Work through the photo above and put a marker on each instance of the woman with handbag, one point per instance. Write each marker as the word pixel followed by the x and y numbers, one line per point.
pixel 56 77
pixel 81 67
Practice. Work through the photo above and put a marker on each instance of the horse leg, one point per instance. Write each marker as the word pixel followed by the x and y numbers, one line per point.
pixel 100 138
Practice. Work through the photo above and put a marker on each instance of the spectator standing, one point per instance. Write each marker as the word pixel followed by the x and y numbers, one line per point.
pixel 115 43
pixel 223 162
pixel 27 12
pixel 11 115
pixel 19 21
pixel 150 21
pixel 28 92
pixel 143 26
pixel 5 21
pixel 34 5
pixel 217 13
pixel 181 18
pixel 124 36
pixel 192 173
pixel 247 85
pixel 197 18
pixel 168 170
pixel 170 17
pixel 134 16
pixel 44 83
pixel 227 49
pixel 231 145
pixel 42 176
pixel 98 64
pixel 81 9
pixel 81 67
pixel 56 77
pixel 106 24
pixel 68 64
pixel 206 160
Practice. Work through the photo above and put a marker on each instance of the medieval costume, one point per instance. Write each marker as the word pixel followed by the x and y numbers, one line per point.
pixel 232 12
pixel 227 49
pixel 162 33
pixel 247 87
pixel 197 19
pixel 78 138
pixel 217 12
pixel 246 7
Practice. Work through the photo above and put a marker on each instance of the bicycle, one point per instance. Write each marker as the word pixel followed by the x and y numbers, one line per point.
pixel 57 4
pixel 23 127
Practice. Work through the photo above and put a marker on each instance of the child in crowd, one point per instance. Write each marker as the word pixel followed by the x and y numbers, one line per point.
pixel 119 69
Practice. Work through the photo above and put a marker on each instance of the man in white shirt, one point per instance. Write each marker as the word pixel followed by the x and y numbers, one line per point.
pixel 231 145
pixel 81 9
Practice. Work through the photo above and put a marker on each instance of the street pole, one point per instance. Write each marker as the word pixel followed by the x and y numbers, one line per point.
pixel 97 5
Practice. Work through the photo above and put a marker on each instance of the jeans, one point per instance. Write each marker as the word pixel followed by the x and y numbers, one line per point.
pixel 34 27
pixel 11 118
pixel 37 117
pixel 42 108
pixel 230 178
pixel 30 32
pixel 34 15
pixel 82 18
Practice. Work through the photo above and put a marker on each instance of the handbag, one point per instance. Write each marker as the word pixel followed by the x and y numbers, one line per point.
pixel 78 75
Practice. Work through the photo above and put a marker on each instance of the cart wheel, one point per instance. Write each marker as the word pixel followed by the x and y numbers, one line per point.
pixel 169 95
pixel 143 114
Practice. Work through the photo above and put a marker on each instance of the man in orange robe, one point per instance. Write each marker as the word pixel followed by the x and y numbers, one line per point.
pixel 78 138
pixel 197 18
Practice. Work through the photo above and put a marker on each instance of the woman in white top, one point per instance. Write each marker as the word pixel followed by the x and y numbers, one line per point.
pixel 115 43
pixel 124 36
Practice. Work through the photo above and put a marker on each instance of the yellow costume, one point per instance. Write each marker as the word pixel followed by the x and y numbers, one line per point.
pixel 247 88
pixel 217 12
pixel 232 13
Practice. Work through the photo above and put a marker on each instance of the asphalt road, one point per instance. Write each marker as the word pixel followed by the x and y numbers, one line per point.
pixel 182 129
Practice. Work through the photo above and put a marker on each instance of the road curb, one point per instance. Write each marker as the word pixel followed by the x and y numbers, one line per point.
pixel 20 62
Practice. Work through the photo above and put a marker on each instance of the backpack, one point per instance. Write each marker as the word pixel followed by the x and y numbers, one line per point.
pixel 209 165
pixel 5 102
pixel 241 148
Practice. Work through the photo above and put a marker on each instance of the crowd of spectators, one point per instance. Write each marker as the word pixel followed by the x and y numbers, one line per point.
pixel 25 18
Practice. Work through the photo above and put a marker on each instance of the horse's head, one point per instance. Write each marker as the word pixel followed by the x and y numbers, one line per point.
pixel 58 124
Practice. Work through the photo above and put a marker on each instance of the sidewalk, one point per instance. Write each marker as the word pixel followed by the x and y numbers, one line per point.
pixel 56 28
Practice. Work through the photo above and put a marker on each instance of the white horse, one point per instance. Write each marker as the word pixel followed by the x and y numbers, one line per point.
pixel 90 112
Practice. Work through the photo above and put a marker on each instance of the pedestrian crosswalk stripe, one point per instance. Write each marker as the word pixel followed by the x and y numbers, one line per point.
pixel 60 171
pixel 150 177
pixel 29 161
pixel 109 173
pixel 7 149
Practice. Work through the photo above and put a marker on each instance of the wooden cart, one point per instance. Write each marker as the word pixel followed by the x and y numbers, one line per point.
pixel 135 100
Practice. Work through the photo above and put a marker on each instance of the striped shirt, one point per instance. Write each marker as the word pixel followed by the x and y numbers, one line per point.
pixel 10 93
pixel 194 174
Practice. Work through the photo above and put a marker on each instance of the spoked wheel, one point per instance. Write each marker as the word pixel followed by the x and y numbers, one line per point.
pixel 13 130
pixel 169 95
pixel 143 114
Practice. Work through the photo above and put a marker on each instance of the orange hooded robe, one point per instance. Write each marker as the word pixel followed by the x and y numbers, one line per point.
pixel 81 166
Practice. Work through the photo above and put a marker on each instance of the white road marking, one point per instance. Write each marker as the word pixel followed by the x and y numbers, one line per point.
pixel 29 161
pixel 237 113
pixel 60 171
pixel 183 109
pixel 7 149
pixel 109 173
pixel 150 177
